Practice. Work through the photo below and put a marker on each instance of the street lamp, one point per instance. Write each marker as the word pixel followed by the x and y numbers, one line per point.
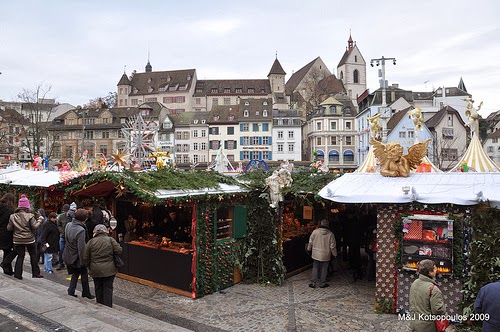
pixel 383 82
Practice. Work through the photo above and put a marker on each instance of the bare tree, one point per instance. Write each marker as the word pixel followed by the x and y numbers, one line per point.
pixel 36 109
pixel 314 94
pixel 108 101
pixel 447 152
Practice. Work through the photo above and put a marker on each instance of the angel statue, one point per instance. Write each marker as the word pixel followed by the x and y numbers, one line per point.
pixel 391 158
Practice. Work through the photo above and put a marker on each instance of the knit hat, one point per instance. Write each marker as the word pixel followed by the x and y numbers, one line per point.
pixel 324 223
pixel 24 202
pixel 72 206
pixel 100 229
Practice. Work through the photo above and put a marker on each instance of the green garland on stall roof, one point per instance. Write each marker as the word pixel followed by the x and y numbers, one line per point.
pixel 34 194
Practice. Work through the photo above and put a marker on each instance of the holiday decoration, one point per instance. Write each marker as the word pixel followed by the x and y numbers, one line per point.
pixel 119 158
pixel 393 163
pixel 140 135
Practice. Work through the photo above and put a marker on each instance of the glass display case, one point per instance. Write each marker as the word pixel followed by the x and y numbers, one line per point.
pixel 427 237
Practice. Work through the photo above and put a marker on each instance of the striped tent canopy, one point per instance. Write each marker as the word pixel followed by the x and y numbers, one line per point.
pixel 369 164
pixel 476 158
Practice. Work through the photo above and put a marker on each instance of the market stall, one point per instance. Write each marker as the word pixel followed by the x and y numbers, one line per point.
pixel 424 215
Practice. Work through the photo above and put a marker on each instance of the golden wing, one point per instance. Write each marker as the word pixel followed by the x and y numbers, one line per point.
pixel 415 154
pixel 379 150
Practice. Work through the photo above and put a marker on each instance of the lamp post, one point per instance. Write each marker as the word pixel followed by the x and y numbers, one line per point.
pixel 383 82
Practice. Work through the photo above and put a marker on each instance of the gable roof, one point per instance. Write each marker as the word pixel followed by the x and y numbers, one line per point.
pixel 226 114
pixel 298 76
pixel 276 69
pixel 124 80
pixel 207 87
pixel 396 118
pixel 438 117
pixel 152 82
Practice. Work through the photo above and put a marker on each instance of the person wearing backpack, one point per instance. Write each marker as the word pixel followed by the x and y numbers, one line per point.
pixel 62 220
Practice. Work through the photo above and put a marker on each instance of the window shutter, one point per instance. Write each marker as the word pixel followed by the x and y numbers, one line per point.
pixel 260 155
pixel 270 155
pixel 225 145
pixel 241 140
pixel 260 140
pixel 239 222
pixel 241 155
pixel 270 141
pixel 241 126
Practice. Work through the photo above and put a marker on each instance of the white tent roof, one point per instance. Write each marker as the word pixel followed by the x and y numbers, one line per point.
pixel 476 158
pixel 23 177
pixel 431 188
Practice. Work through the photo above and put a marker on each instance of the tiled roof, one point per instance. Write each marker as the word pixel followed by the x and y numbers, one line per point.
pixel 124 80
pixel 254 105
pixel 398 93
pixel 423 95
pixel 182 119
pixel 396 118
pixel 331 85
pixel 495 134
pixel 438 117
pixel 297 77
pixel 224 114
pixel 451 92
pixel 276 69
pixel 344 58
pixel 233 87
pixel 154 82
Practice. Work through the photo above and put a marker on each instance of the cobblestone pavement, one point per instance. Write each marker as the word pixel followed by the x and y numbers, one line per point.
pixel 293 306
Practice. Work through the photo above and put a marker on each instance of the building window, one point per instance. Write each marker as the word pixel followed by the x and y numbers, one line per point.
pixel 89 134
pixel 68 152
pixel 227 101
pixel 318 125
pixel 178 135
pixel 254 154
pixel 264 113
pixel 168 100
pixel 180 99
pixel 230 130
pixel 103 149
pixel 280 135
pixel 266 155
pixel 89 121
pixel 197 101
pixel 490 149
pixel 238 90
pixel 255 127
pixel 250 90
pixel 318 140
pixel 402 134
pixel 333 140
pixel 290 147
pixel 449 154
pixel 411 134
pixel 195 158
pixel 448 133
pixel 185 135
pixel 214 90
pixel 245 127
pixel 355 75
pixel 246 155
pixel 290 135
pixel 348 155
pixel 254 140
pixel 348 125
pixel 195 133
pixel 215 145
pixel 265 140
pixel 195 146
pixel 215 101
pixel 120 134
pixel 227 90
pixel 203 146
pixel 245 113
pixel 203 133
pixel 280 147
pixel 333 125
pixel 495 140
pixel 348 140
pixel 105 134
pixel 214 131
pixel 246 140
pixel 185 147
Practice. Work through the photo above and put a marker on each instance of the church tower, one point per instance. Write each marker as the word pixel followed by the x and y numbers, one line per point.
pixel 276 79
pixel 351 70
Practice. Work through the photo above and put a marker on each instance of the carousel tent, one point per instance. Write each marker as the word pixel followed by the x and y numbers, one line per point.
pixel 29 178
pixel 476 158
pixel 430 188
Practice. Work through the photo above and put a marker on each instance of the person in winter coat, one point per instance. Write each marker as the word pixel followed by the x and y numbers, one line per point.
pixel 62 221
pixel 425 298
pixel 50 242
pixel 487 303
pixel 71 212
pixel 99 258
pixel 38 237
pixel 75 235
pixel 24 226
pixel 7 207
pixel 323 247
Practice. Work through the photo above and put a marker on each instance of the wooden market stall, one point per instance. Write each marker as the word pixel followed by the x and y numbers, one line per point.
pixel 424 215
pixel 214 213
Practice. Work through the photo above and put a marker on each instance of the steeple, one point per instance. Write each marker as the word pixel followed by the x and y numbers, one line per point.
pixel 350 43
pixel 461 85
pixel 149 68
pixel 276 69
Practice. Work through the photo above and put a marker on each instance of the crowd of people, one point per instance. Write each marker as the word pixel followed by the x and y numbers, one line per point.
pixel 75 239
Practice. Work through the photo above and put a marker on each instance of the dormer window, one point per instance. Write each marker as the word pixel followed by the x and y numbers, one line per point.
pixel 150 80
pixel 195 121
pixel 251 90
pixel 216 117
pixel 172 88
pixel 245 113
pixel 150 89
pixel 264 103
pixel 189 78
pixel 183 87
pixel 203 121
pixel 230 117
pixel 169 78
pixel 227 90
pixel 264 113
pixel 214 90
pixel 247 103
pixel 136 90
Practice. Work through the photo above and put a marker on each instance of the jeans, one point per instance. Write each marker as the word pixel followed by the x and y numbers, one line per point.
pixel 77 272
pixel 62 243
pixel 319 271
pixel 20 249
pixel 104 290
pixel 47 262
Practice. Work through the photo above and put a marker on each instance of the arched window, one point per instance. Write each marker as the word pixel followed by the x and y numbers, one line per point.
pixel 341 75
pixel 245 113
pixel 356 76
pixel 333 156
pixel 348 155
pixel 320 155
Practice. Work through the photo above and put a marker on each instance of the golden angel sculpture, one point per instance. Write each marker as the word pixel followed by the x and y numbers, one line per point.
pixel 391 159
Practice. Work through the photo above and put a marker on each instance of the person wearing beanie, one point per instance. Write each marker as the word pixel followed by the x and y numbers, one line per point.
pixel 23 224
pixel 99 258
pixel 75 237
pixel 323 247
pixel 62 221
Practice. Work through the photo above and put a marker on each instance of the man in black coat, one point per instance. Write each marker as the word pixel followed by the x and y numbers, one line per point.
pixel 50 242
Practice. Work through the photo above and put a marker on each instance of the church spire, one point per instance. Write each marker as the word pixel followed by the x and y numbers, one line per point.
pixel 149 68
pixel 461 85
pixel 350 42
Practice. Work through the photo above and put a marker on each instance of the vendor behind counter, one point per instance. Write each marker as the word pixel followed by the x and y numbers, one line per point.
pixel 175 227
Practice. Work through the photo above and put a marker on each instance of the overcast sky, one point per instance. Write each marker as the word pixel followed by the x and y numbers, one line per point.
pixel 80 48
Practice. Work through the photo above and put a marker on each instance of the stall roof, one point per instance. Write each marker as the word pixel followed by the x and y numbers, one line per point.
pixel 223 189
pixel 430 188
pixel 29 178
